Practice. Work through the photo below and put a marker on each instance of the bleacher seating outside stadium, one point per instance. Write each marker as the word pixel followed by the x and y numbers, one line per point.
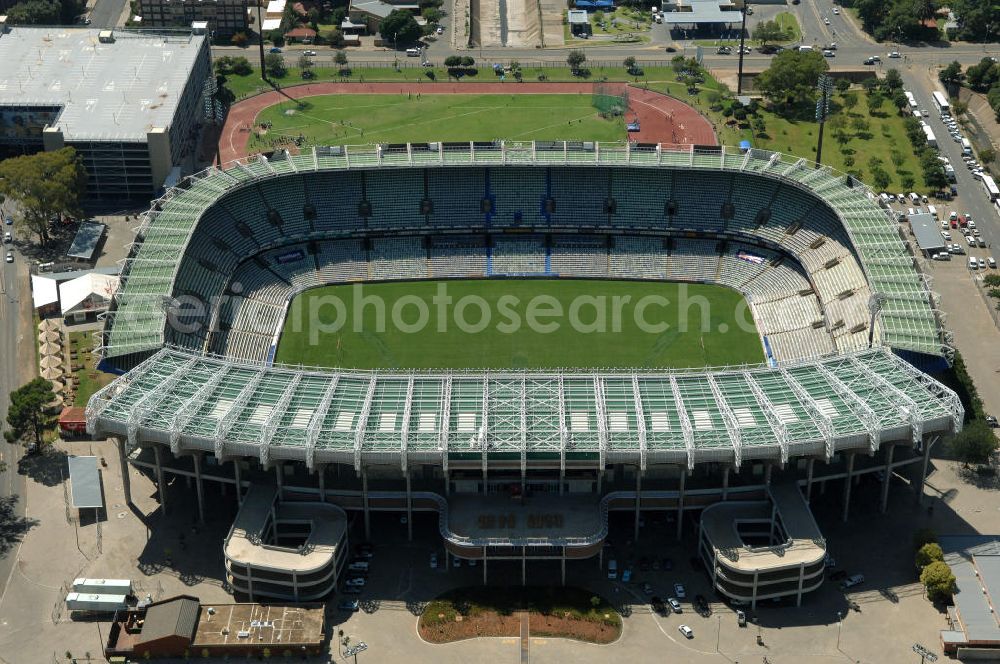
pixel 808 230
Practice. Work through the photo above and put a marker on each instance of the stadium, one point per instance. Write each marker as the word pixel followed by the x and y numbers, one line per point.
pixel 520 459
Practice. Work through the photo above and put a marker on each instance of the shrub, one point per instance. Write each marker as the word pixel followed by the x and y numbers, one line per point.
pixel 927 554
pixel 938 580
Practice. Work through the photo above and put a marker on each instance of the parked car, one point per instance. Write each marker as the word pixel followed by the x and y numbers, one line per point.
pixel 309 53
pixel 701 606
pixel 992 421
pixel 349 605
pixel 275 49
pixel 982 263
pixel 10 257
pixel 355 581
pixel 724 50
pixel 894 55
pixel 741 618
pixel 434 560
pixel 7 237
pixel 853 580
pixel 991 262
pixel 627 575
pixel 439 30
pixel 679 590
pixel 686 631
pixel 675 606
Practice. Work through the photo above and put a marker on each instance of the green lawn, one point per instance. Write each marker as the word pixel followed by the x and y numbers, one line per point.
pixel 91 380
pixel 515 330
pixel 354 119
pixel 850 150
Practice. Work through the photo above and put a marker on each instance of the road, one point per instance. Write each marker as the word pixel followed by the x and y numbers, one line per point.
pixel 853 46
pixel 13 348
pixel 106 13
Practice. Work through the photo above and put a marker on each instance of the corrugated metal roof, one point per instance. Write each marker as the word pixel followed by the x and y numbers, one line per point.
pixel 85 481
pixel 175 617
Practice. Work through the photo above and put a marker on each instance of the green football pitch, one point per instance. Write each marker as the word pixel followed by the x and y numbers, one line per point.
pixel 537 323
pixel 356 119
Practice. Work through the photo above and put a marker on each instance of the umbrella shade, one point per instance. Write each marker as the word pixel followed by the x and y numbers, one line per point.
pixel 50 361
pixel 56 402
pixel 47 336
pixel 58 386
pixel 50 348
pixel 47 324
pixel 50 373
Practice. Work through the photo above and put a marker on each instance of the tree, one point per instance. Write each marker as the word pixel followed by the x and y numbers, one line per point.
pixel 881 179
pixel 400 28
pixel 975 444
pixel 791 79
pixel 45 184
pixel 629 64
pixel 26 415
pixel 575 60
pixel 875 101
pixel 959 108
pixel 842 85
pixel 768 31
pixel 952 76
pixel 340 59
pixel 923 536
pixel 239 39
pixel 432 14
pixel 849 100
pixel 242 66
pixel 334 38
pixel 274 65
pixel 305 66
pixel 899 99
pixel 983 76
pixel 34 12
pixel 978 21
pixel 938 580
pixel 893 79
pixel 934 176
pixel 987 155
pixel 927 554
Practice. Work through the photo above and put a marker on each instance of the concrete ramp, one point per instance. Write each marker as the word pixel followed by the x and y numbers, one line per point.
pixel 514 23
pixel 552 22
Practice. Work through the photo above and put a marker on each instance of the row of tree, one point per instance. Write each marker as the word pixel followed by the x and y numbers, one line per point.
pixel 44 185
pixel 935 574
pixel 914 20
pixel 983 77
pixel 45 12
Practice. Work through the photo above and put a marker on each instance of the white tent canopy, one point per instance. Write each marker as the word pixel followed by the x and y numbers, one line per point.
pixel 91 292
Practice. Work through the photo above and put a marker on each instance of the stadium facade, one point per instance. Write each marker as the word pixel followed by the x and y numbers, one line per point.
pixel 840 303
pixel 131 102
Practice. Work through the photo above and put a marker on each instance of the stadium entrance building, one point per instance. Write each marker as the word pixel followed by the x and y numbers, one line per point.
pixel 523 465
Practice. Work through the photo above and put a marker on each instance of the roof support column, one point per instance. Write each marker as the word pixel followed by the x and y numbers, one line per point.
pixel 321 471
pixel 638 501
pixel 123 463
pixel 199 489
pixel 239 481
pixel 847 486
pixel 725 482
pixel 809 478
pixel 409 508
pixel 161 486
pixel 680 504
pixel 364 501
pixel 885 480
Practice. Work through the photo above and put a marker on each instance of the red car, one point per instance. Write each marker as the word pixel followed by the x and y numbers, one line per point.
pixel 961 221
pixel 954 224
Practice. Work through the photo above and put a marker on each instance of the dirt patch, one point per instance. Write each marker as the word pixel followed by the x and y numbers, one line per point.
pixel 459 628
pixel 592 631
pixel 567 613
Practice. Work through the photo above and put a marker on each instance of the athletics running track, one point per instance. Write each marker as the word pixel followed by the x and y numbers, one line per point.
pixel 663 119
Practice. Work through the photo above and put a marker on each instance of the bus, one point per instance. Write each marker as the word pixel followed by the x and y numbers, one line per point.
pixel 910 99
pixel 941 101
pixel 990 185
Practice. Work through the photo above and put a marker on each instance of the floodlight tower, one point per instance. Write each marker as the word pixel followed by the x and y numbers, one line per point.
pixel 875 304
pixel 743 36
pixel 825 87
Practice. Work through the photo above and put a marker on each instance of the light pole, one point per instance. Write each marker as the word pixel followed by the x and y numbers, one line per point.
pixel 825 87
pixel 743 36
pixel 260 41
pixel 875 303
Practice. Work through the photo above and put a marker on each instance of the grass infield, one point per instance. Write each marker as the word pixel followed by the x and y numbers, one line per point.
pixel 532 323
pixel 357 119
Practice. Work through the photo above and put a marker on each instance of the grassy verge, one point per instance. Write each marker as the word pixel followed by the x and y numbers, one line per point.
pixel 572 613
pixel 91 380
pixel 244 86
pixel 857 138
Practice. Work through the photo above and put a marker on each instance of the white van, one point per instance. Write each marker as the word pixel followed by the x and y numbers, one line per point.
pixel 966 146
pixel 914 198
pixel 413 52
pixel 612 569
pixel 932 210
pixel 805 49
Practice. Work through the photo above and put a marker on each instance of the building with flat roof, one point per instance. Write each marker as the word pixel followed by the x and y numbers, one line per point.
pixel 974 630
pixel 130 103
pixel 181 625
pixel 224 17
pixel 699 14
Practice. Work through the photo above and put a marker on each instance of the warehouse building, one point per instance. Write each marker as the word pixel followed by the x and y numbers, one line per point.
pixel 131 103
